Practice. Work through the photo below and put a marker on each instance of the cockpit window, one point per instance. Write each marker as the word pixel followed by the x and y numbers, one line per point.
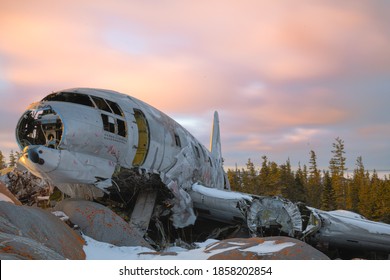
pixel 115 108
pixel 71 97
pixel 101 104
pixel 84 99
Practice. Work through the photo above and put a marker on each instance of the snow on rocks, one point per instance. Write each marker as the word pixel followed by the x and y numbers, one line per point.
pixel 267 248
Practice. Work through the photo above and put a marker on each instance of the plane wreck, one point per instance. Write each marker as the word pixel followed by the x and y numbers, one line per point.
pixel 104 145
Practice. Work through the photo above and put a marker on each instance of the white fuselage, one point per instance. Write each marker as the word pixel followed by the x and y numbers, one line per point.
pixel 80 136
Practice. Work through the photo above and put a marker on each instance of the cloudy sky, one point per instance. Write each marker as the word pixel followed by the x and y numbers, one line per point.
pixel 286 77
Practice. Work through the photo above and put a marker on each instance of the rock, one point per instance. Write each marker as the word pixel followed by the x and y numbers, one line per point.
pixel 8 257
pixel 100 223
pixel 5 191
pixel 19 247
pixel 267 248
pixel 40 227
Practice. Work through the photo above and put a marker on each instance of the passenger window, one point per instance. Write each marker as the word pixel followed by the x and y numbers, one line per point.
pixel 177 140
pixel 121 128
pixel 105 122
pixel 111 124
pixel 114 125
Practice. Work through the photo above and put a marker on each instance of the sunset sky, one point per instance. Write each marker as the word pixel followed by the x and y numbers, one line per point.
pixel 286 77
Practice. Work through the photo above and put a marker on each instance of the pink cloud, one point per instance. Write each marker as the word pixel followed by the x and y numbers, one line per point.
pixel 244 58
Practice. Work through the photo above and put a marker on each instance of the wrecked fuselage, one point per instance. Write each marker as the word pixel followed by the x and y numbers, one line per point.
pixel 94 143
pixel 340 234
pixel 82 136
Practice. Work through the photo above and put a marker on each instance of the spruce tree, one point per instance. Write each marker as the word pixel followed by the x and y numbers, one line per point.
pixel 359 181
pixel 337 169
pixel 12 159
pixel 314 185
pixel 2 161
pixel 298 193
pixel 328 194
pixel 264 177
pixel 287 179
pixel 234 177
pixel 251 182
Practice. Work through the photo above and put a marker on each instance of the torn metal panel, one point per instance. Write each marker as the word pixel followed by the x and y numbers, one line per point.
pixel 267 212
pixel 143 210
pixel 219 205
pixel 350 231
pixel 256 212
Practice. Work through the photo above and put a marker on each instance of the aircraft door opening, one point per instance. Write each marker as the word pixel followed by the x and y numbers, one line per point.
pixel 143 138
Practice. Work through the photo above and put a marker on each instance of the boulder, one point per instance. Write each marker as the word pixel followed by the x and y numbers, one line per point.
pixel 14 247
pixel 40 227
pixel 101 223
pixel 266 248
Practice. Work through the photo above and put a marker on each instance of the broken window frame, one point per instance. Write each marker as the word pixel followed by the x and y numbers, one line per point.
pixel 114 125
pixel 115 108
pixel 101 104
pixel 70 97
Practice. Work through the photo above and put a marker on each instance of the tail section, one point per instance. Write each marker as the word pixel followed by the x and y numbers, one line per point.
pixel 216 151
pixel 215 143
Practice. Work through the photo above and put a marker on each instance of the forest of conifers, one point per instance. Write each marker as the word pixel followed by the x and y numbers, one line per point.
pixel 363 192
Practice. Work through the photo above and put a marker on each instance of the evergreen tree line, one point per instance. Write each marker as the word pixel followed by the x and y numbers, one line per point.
pixel 13 158
pixel 363 193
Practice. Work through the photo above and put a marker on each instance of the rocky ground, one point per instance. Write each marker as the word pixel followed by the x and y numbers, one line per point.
pixel 35 224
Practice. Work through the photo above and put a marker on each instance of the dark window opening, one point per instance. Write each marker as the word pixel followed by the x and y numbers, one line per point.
pixel 115 107
pixel 70 97
pixel 101 104
pixel 113 125
pixel 121 128
pixel 105 122
pixel 177 140
pixel 40 127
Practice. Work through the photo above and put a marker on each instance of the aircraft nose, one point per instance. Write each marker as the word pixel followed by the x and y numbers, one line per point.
pixel 34 156
pixel 41 159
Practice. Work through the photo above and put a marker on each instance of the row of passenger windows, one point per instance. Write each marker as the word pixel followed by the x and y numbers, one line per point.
pixel 87 100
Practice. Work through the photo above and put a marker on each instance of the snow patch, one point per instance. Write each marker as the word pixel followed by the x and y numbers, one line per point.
pixel 222 194
pixel 96 250
pixel 61 215
pixel 268 247
pixel 347 214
